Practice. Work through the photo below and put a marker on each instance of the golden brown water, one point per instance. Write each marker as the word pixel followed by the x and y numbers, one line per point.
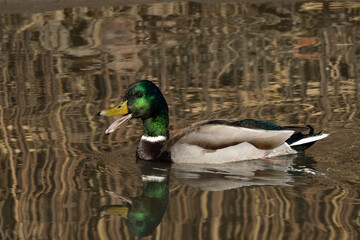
pixel 288 63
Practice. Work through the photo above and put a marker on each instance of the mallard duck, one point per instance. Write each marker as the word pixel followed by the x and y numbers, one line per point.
pixel 210 141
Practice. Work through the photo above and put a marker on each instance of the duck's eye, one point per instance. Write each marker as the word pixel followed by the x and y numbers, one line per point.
pixel 139 95
pixel 139 223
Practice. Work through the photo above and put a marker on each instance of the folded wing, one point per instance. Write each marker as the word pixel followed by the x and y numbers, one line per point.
pixel 214 136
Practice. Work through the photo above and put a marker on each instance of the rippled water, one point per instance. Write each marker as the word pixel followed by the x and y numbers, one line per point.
pixel 293 63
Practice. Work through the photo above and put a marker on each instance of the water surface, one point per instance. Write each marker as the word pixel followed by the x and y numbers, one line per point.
pixel 290 63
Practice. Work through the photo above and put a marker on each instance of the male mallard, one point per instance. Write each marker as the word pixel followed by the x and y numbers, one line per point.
pixel 210 141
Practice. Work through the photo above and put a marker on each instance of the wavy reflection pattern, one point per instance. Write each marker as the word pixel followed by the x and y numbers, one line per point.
pixel 229 60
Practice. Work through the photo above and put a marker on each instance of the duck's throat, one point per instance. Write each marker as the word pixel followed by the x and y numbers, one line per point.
pixel 156 133
pixel 157 126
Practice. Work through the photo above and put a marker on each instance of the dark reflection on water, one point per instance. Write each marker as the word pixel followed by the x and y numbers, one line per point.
pixel 144 213
pixel 290 63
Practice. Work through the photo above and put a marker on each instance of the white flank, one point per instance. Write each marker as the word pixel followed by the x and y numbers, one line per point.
pixel 309 139
pixel 153 139
pixel 187 149
pixel 152 178
pixel 283 149
pixel 186 153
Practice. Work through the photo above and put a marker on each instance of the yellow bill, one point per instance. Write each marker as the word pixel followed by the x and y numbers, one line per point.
pixel 122 211
pixel 121 109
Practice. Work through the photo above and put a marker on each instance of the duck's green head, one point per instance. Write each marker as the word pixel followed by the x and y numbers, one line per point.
pixel 143 99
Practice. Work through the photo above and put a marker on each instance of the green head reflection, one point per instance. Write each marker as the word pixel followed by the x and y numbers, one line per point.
pixel 143 213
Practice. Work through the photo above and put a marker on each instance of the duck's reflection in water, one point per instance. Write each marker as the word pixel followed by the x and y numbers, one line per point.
pixel 144 213
pixel 277 171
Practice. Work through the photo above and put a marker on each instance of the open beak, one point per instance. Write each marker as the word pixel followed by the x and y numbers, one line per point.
pixel 121 109
pixel 117 209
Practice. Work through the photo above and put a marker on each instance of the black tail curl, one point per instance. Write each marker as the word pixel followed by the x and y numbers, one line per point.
pixel 298 136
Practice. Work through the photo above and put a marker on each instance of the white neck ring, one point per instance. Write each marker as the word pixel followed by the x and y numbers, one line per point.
pixel 153 139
